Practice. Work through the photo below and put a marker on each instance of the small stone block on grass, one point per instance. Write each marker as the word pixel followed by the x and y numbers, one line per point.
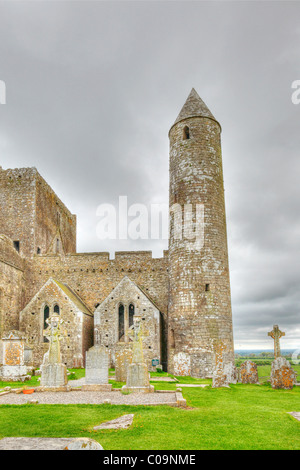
pixel 124 422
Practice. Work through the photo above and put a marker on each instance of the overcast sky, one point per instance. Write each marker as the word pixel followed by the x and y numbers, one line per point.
pixel 93 88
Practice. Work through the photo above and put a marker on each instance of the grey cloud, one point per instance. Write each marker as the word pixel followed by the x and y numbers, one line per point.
pixel 93 88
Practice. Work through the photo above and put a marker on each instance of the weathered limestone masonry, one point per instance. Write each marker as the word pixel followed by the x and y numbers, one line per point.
pixel 96 369
pixel 137 379
pixel 93 277
pixel 14 367
pixel 12 286
pixel 248 373
pixel 56 297
pixel 282 374
pixel 276 334
pixel 219 378
pixel 53 371
pixel 199 289
pixel 184 297
pixel 114 317
pixel 33 216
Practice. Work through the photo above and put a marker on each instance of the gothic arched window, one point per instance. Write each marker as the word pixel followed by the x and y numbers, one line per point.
pixel 46 316
pixel 121 321
pixel 56 309
pixel 131 314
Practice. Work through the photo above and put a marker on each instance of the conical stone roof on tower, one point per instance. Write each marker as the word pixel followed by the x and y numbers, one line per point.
pixel 194 106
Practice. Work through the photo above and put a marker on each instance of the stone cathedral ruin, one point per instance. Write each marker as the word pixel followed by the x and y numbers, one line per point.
pixel 182 299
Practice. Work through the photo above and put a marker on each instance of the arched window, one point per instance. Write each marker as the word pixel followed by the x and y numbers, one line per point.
pixel 56 309
pixel 46 315
pixel 121 321
pixel 186 133
pixel 131 314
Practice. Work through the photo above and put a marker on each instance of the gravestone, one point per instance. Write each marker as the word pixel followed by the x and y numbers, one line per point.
pixel 123 359
pixel 231 373
pixel 282 374
pixel 13 368
pixel 137 372
pixel 28 355
pixel 53 371
pixel 276 334
pixel 124 422
pixel 248 373
pixel 219 378
pixel 83 443
pixel 96 369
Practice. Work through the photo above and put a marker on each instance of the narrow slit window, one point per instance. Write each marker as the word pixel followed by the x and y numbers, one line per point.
pixel 17 245
pixel 207 287
pixel 121 321
pixel 46 316
pixel 131 314
pixel 186 133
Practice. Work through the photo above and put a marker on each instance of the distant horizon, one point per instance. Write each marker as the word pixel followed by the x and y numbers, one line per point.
pixel 264 350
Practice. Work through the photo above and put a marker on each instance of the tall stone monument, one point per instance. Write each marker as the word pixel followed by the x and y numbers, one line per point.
pixel 123 359
pixel 13 368
pixel 276 334
pixel 53 371
pixel 219 378
pixel 137 372
pixel 199 311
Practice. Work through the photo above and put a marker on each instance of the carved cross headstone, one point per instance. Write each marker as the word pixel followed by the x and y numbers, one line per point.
pixel 137 372
pixel 137 334
pixel 54 333
pixel 276 334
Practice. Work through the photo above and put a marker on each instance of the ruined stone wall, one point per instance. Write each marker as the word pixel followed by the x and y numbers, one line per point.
pixel 31 213
pixel 200 304
pixel 106 321
pixel 79 326
pixel 17 206
pixel 52 220
pixel 94 275
pixel 12 285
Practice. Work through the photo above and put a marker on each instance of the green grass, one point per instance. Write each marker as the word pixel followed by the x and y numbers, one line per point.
pixel 33 382
pixel 264 371
pixel 242 417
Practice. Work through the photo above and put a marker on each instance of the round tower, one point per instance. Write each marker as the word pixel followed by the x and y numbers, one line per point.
pixel 199 313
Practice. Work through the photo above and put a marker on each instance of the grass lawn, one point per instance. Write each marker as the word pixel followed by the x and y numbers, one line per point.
pixel 242 417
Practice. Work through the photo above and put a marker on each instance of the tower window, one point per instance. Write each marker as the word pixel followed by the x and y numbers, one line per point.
pixel 17 245
pixel 56 309
pixel 38 251
pixel 186 133
pixel 207 287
